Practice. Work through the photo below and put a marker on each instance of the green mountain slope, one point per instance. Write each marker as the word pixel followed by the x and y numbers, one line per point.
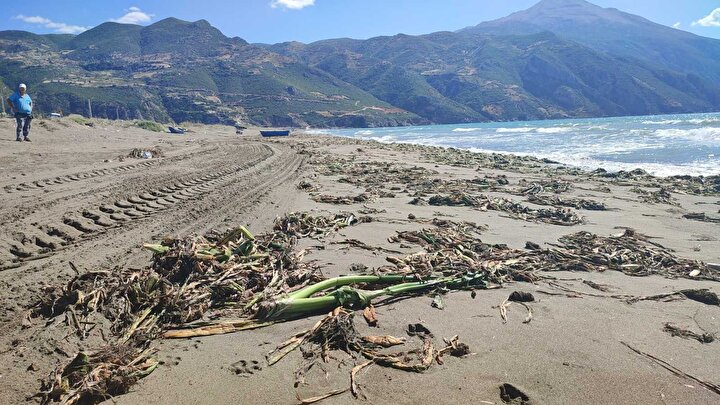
pixel 178 70
pixel 614 32
pixel 506 77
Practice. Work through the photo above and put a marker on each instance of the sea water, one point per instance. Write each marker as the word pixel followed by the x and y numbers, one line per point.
pixel 663 145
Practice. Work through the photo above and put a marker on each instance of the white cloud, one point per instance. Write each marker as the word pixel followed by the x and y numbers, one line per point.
pixel 676 25
pixel 710 20
pixel 58 27
pixel 292 4
pixel 134 16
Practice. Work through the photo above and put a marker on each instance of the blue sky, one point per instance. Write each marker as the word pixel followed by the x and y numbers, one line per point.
pixel 272 21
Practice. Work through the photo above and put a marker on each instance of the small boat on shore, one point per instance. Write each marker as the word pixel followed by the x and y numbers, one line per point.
pixel 275 133
pixel 177 130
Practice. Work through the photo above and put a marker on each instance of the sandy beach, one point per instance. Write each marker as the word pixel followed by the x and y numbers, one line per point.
pixel 74 201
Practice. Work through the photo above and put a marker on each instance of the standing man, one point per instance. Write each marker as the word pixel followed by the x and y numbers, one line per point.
pixel 21 105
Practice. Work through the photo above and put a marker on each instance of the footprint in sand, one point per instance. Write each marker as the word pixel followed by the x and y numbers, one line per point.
pixel 245 368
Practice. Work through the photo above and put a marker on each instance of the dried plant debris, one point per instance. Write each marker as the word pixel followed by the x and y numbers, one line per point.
pixel 694 185
pixel 701 216
pixel 628 252
pixel 262 279
pixel 305 225
pixel 676 331
pixel 661 196
pixel 543 186
pixel 555 216
pixel 464 158
pixel 577 203
pixel 189 279
pixel 343 200
pixel 98 376
pixel 138 153
pixel 336 332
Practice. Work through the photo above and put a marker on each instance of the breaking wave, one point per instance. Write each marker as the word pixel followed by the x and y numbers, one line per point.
pixel 514 130
pixel 662 145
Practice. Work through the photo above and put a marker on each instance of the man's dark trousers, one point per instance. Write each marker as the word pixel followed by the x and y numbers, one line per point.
pixel 23 125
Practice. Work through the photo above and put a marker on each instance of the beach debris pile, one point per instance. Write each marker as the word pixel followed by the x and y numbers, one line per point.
pixel 577 203
pixel 337 331
pixel 306 225
pixel 661 196
pixel 189 278
pixel 542 186
pixel 701 216
pixel 100 375
pixel 263 279
pixel 138 153
pixel 555 216
pixel 693 185
pixel 465 158
pixel 629 252
pixel 343 200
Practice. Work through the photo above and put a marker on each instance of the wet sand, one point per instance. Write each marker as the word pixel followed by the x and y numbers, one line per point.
pixel 571 352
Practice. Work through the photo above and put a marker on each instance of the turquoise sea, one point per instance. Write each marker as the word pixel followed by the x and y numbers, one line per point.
pixel 663 145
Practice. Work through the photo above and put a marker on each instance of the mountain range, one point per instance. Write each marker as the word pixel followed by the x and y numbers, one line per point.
pixel 557 59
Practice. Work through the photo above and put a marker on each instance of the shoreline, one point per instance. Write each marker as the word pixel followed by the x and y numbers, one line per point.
pixel 571 352
pixel 691 123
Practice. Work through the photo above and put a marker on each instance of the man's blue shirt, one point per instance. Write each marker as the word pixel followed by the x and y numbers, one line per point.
pixel 22 104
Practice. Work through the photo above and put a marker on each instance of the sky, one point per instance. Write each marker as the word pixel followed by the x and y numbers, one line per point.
pixel 273 21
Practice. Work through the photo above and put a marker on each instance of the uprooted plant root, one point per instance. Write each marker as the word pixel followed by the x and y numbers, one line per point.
pixel 98 376
pixel 336 332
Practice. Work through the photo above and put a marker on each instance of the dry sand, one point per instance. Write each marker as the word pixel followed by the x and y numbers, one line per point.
pixel 54 193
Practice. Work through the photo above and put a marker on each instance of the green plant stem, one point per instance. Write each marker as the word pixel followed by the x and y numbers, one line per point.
pixel 310 290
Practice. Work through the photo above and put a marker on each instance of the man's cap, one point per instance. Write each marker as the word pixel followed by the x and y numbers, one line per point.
pixel 22 86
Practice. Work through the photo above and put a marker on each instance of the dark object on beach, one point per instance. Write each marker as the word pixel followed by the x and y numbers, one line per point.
pixel 418 201
pixel 521 296
pixel 358 267
pixel 418 329
pixel 705 296
pixel 275 133
pixel 532 246
pixel 700 216
pixel 597 286
pixel 512 395
pixel 688 334
pixel 411 216
pixel 438 302
pixel 177 130
pixel 307 186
